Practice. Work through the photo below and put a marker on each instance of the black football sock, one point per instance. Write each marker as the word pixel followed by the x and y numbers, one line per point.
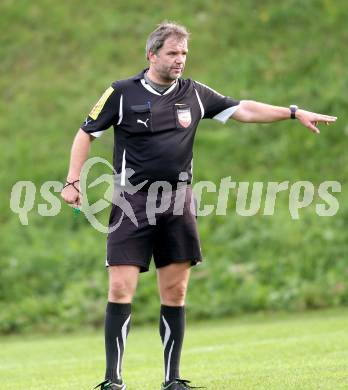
pixel 172 329
pixel 117 324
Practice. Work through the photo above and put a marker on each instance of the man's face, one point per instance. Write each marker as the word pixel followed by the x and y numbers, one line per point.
pixel 169 62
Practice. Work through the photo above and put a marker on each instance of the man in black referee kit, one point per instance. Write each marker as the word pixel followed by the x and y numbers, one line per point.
pixel 155 115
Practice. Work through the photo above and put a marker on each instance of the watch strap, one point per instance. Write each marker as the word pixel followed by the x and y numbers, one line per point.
pixel 293 110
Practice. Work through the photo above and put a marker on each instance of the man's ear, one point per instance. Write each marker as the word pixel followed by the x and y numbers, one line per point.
pixel 151 56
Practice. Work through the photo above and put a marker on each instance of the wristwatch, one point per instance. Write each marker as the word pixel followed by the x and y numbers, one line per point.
pixel 293 109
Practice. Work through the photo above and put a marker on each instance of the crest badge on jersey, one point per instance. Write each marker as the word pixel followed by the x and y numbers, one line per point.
pixel 184 115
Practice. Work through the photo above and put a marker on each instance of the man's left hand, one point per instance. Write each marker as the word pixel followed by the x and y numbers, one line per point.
pixel 311 119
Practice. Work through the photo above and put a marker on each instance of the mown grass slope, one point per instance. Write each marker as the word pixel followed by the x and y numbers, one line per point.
pixel 56 60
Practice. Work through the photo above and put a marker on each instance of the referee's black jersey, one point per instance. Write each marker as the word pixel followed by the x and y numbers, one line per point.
pixel 154 133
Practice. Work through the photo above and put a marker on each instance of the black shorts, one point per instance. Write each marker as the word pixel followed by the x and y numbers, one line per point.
pixel 161 224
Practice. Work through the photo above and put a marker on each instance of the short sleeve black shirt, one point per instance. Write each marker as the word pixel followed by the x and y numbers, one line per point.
pixel 154 133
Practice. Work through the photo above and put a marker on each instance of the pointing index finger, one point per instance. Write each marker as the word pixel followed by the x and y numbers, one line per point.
pixel 326 118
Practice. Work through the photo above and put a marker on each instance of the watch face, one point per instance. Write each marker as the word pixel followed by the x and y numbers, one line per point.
pixel 293 110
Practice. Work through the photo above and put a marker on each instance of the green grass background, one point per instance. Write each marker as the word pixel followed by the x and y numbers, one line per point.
pixel 304 351
pixel 56 60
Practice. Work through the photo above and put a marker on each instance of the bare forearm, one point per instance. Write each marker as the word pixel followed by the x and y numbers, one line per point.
pixel 255 112
pixel 79 153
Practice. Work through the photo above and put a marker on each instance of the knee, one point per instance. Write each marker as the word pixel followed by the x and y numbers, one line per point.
pixel 174 294
pixel 120 291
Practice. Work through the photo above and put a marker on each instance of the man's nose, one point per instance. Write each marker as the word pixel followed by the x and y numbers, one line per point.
pixel 179 59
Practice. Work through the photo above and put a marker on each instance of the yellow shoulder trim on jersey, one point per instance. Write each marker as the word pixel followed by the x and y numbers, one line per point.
pixel 100 103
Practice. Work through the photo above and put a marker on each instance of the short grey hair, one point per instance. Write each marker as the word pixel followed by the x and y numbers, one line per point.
pixel 164 30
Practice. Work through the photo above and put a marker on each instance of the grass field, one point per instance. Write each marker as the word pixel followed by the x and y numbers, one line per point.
pixel 57 57
pixel 281 351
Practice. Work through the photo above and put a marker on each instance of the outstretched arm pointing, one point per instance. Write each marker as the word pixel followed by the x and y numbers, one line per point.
pixel 255 112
